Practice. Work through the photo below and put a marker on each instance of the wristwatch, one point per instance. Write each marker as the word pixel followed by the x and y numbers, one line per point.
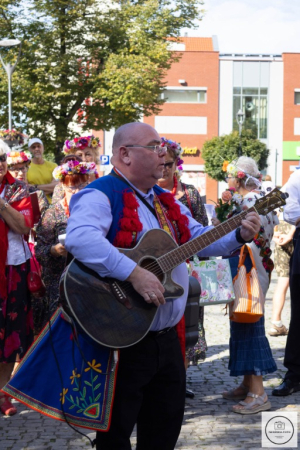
pixel 4 206
pixel 239 238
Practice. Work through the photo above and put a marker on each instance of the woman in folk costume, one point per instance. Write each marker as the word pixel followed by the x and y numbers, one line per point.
pixel 50 252
pixel 16 324
pixel 250 353
pixel 74 376
pixel 18 163
pixel 190 197
pixel 86 149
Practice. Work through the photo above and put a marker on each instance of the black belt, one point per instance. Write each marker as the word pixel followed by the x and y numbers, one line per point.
pixel 160 332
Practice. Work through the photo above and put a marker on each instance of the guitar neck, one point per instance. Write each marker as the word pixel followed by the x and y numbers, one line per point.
pixel 180 254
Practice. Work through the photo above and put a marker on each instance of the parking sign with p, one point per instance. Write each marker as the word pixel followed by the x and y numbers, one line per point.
pixel 104 160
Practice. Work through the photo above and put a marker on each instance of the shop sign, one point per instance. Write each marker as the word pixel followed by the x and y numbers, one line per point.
pixel 190 151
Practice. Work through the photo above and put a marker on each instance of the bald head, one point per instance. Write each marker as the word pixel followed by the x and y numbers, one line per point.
pixel 128 134
pixel 134 155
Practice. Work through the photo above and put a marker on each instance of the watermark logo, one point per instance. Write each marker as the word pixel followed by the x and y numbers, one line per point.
pixel 279 429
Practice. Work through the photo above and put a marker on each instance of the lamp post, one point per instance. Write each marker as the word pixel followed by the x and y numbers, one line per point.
pixel 240 120
pixel 9 69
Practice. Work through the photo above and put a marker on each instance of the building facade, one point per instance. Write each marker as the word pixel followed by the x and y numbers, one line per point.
pixel 204 91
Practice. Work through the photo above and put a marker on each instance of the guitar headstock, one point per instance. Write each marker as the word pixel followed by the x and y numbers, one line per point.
pixel 271 201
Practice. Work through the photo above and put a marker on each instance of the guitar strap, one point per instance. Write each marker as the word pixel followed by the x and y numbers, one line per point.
pixel 116 175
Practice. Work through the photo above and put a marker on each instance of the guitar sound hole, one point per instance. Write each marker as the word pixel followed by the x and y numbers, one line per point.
pixel 152 265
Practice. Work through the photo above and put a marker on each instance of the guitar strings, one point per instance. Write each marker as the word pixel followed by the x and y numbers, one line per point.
pixel 154 267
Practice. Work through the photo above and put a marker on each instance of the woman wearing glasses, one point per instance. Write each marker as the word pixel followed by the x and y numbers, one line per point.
pixel 190 197
pixel 16 219
pixel 50 249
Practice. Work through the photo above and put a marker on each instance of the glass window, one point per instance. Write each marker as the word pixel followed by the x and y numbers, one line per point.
pixel 263 118
pixel 184 96
pixel 251 109
pixel 297 98
pixel 237 74
pixel 249 91
pixel 236 106
pixel 264 74
pixel 251 71
pixel 253 79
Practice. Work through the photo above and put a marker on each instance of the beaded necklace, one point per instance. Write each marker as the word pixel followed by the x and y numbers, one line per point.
pixel 66 206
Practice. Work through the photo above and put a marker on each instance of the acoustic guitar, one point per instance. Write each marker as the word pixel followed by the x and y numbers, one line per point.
pixel 110 311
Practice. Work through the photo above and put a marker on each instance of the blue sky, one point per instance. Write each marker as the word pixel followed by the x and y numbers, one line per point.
pixel 252 26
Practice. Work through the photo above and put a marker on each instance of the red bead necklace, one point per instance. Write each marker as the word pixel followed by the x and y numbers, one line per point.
pixel 66 206
pixel 174 190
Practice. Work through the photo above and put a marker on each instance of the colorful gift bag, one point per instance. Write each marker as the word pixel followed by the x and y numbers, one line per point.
pixel 215 280
pixel 67 377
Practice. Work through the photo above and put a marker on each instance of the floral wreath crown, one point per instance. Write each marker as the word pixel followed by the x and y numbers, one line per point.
pixel 80 143
pixel 18 157
pixel 74 168
pixel 177 149
pixel 13 135
pixel 234 170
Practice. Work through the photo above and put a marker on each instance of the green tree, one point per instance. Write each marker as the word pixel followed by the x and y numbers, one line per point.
pixel 96 63
pixel 226 148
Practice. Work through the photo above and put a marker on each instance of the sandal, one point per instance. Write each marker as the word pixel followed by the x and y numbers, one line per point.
pixel 6 407
pixel 230 395
pixel 260 403
pixel 278 331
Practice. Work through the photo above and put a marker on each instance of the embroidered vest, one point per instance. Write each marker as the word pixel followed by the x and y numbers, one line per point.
pixel 113 188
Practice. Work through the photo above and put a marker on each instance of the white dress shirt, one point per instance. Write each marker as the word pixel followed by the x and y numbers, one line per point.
pixel 291 211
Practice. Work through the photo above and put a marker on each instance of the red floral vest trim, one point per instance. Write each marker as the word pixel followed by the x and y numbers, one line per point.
pixel 130 223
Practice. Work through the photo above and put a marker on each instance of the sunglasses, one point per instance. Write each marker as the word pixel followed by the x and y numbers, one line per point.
pixel 3 158
pixel 20 169
pixel 169 165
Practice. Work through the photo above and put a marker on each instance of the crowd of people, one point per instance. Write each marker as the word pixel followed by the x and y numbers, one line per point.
pixel 91 217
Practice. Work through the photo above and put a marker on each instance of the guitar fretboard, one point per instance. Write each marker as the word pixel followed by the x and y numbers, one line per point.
pixel 179 255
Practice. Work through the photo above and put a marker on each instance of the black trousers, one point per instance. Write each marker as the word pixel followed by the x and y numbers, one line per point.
pixel 292 349
pixel 150 392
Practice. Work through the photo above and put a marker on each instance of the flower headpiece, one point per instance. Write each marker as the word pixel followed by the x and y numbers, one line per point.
pixel 18 158
pixel 237 172
pixel 177 149
pixel 80 143
pixel 74 168
pixel 12 135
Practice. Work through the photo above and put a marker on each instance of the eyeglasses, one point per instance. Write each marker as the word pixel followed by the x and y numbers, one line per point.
pixel 169 165
pixel 3 158
pixel 21 169
pixel 228 178
pixel 73 189
pixel 154 148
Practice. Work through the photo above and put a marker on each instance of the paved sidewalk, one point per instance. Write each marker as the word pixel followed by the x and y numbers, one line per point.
pixel 208 423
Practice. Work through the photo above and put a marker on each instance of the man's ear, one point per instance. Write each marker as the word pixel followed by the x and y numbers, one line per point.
pixel 124 155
